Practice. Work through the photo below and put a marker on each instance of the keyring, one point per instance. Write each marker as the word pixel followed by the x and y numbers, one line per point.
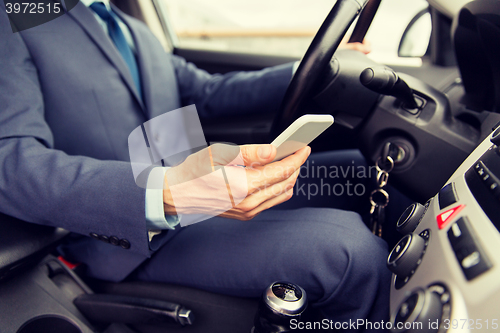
pixel 391 163
pixel 384 193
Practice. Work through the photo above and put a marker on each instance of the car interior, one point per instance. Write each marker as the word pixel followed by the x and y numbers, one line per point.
pixel 438 123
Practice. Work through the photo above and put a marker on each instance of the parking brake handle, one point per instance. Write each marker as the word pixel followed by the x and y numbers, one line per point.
pixel 105 308
pixel 385 81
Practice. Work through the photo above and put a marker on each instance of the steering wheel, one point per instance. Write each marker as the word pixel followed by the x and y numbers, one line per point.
pixel 315 61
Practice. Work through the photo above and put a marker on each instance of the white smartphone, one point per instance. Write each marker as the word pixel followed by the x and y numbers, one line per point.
pixel 300 133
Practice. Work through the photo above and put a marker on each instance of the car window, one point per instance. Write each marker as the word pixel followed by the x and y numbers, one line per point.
pixel 278 27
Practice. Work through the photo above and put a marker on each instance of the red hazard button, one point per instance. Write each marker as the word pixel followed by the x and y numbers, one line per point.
pixel 447 216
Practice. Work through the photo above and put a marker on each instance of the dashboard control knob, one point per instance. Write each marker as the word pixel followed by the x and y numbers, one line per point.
pixel 411 217
pixel 281 302
pixel 420 312
pixel 405 256
pixel 496 137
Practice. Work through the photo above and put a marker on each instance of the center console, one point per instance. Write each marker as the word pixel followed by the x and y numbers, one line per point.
pixel 447 265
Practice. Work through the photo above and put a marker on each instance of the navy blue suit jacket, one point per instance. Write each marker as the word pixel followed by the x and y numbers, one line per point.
pixel 67 106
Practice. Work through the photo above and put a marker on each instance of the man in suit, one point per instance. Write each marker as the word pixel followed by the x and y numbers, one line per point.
pixel 69 98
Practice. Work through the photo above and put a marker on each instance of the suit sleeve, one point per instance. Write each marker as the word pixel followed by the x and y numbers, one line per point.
pixel 255 92
pixel 42 185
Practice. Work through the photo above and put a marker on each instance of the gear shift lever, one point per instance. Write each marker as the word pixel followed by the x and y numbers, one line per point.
pixel 280 303
pixel 385 81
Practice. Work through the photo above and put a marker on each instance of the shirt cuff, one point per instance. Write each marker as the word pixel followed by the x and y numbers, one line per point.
pixel 155 213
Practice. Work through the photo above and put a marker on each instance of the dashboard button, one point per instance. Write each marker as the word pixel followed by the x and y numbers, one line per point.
pixel 417 312
pixel 468 251
pixel 425 234
pixel 411 217
pixel 447 196
pixel 459 234
pixel 488 178
pixel 492 185
pixel 495 138
pixel 406 255
pixel 446 217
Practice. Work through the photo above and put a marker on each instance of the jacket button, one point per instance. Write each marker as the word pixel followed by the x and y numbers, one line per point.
pixel 94 235
pixel 125 244
pixel 114 240
pixel 104 238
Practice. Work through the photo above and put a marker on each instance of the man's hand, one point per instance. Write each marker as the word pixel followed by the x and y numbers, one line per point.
pixel 365 47
pixel 214 182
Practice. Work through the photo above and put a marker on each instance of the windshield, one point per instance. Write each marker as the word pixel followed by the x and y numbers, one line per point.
pixel 278 27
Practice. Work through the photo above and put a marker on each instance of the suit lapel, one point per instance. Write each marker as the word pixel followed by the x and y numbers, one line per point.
pixel 87 21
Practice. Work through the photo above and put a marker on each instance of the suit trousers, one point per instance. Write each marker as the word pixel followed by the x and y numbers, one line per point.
pixel 328 251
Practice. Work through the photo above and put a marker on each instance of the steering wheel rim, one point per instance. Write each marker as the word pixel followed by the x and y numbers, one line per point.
pixel 315 61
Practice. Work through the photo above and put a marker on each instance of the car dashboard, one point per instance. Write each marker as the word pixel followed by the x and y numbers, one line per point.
pixel 447 266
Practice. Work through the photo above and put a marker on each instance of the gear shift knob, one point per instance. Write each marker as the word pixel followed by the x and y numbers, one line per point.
pixel 280 303
pixel 385 81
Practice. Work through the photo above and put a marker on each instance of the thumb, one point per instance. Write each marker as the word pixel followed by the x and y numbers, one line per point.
pixel 258 154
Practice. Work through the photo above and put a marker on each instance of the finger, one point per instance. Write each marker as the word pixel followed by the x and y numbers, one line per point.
pixel 285 196
pixel 344 41
pixel 239 214
pixel 362 47
pixel 221 154
pixel 263 194
pixel 236 214
pixel 365 47
pixel 262 176
pixel 255 155
pixel 298 158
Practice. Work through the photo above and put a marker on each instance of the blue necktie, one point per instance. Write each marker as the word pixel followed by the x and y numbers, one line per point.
pixel 118 38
